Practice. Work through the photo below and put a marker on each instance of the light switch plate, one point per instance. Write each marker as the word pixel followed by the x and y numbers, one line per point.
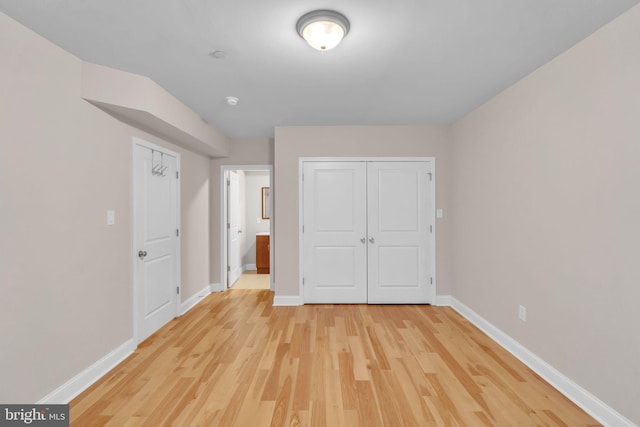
pixel 111 217
pixel 522 313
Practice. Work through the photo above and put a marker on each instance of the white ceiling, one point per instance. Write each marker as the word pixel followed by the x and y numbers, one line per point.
pixel 403 62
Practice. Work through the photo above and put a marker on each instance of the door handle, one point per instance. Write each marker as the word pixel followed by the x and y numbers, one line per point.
pixel 142 254
pixel 239 231
pixel 371 240
pixel 363 240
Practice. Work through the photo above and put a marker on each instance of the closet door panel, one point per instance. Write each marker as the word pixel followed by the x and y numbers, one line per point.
pixel 397 266
pixel 334 218
pixel 399 229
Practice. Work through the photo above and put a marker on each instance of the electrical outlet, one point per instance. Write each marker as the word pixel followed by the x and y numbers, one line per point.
pixel 522 313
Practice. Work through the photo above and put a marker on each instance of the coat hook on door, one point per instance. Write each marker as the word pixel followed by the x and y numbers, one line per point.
pixel 158 169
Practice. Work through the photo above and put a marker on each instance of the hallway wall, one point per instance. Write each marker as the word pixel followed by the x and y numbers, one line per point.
pixel 294 142
pixel 547 212
pixel 65 275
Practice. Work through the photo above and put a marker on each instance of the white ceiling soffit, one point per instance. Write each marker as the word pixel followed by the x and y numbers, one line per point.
pixel 403 61
pixel 140 102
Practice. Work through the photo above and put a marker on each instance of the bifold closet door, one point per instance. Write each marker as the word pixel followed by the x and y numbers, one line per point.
pixel 335 232
pixel 366 232
pixel 399 232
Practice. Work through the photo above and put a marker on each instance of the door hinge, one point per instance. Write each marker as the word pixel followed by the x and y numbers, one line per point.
pixel 178 290
pixel 228 183
pixel 228 225
pixel 303 281
pixel 431 228
pixel 430 176
pixel 431 280
pixel 177 175
pixel 303 228
pixel 228 268
pixel 177 232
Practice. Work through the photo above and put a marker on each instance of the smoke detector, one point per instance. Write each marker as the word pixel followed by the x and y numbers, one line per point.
pixel 217 54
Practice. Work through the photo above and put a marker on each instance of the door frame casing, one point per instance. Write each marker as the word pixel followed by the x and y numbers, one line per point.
pixel 136 141
pixel 432 244
pixel 230 261
pixel 223 220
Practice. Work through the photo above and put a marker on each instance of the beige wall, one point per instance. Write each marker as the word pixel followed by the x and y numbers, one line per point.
pixel 65 276
pixel 194 218
pixel 252 151
pixel 291 143
pixel 547 212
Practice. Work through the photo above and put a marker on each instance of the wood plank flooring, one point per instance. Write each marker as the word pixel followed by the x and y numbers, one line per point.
pixel 251 280
pixel 234 360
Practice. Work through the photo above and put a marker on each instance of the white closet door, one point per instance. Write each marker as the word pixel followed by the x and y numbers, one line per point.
pixel 400 216
pixel 335 230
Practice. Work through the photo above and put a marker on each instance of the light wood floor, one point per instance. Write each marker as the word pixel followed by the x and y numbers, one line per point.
pixel 251 280
pixel 236 360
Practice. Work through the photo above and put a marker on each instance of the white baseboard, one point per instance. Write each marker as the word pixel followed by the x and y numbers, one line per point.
pixel 443 300
pixel 250 267
pixel 191 302
pixel 217 287
pixel 287 300
pixel 76 385
pixel 599 410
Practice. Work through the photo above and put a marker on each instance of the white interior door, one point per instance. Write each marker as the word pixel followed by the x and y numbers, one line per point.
pixel 234 267
pixel 156 240
pixel 335 230
pixel 400 219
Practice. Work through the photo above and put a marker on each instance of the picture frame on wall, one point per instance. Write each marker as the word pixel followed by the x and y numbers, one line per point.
pixel 266 203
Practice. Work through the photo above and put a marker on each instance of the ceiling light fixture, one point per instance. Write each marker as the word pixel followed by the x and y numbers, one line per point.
pixel 323 29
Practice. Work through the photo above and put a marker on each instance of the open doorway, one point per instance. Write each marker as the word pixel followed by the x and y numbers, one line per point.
pixel 247 230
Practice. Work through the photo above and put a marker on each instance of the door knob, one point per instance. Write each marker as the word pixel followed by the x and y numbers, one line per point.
pixel 142 254
pixel 363 240
pixel 371 240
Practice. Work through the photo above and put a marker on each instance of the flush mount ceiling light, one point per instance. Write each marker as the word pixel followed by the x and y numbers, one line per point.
pixel 323 29
pixel 232 100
